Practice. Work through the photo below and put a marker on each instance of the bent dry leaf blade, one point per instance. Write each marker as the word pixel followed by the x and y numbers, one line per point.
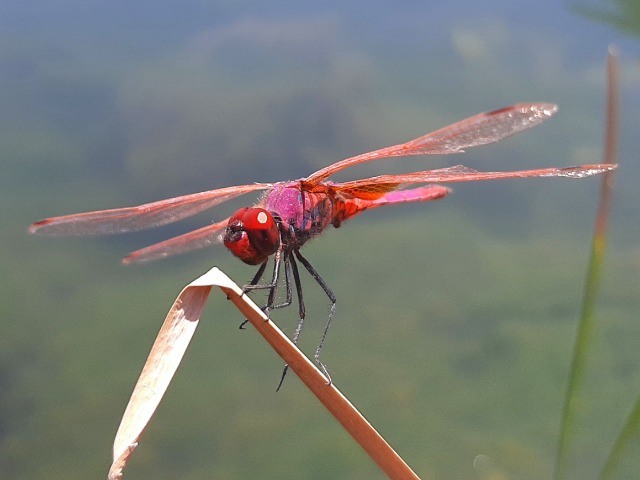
pixel 169 348
pixel 162 362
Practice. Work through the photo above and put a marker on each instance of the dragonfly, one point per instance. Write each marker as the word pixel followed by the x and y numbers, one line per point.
pixel 290 213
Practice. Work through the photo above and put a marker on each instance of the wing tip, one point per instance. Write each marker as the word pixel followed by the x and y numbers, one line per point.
pixel 136 257
pixel 583 171
pixel 545 109
pixel 38 226
pixel 144 255
pixel 539 109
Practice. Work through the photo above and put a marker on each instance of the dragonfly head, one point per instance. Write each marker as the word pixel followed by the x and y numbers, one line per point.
pixel 252 235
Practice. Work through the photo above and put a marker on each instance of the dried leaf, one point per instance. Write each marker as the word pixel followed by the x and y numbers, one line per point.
pixel 169 348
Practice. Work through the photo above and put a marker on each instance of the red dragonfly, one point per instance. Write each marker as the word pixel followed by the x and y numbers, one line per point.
pixel 291 213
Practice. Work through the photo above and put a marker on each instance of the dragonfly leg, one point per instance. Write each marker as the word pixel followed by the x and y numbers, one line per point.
pixel 272 287
pixel 290 262
pixel 254 285
pixel 256 278
pixel 274 284
pixel 301 308
pixel 287 284
pixel 332 297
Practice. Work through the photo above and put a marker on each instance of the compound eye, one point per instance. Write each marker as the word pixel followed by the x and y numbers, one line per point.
pixel 252 235
pixel 256 219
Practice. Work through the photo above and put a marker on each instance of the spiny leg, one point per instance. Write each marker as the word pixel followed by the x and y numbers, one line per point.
pixel 272 287
pixel 301 308
pixel 254 285
pixel 287 285
pixel 316 276
pixel 290 262
pixel 256 278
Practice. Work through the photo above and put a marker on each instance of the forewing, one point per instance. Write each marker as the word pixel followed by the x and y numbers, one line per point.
pixel 203 237
pixel 461 173
pixel 480 129
pixel 129 219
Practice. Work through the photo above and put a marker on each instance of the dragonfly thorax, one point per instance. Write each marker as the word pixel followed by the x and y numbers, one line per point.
pixel 252 235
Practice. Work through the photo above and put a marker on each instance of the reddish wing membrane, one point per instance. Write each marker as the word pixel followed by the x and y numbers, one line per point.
pixel 129 219
pixel 461 173
pixel 480 129
pixel 203 237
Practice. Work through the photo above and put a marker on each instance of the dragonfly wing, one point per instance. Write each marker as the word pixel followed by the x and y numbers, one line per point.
pixel 461 173
pixel 480 129
pixel 203 237
pixel 121 220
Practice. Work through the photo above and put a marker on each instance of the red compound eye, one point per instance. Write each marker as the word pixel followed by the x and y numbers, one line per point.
pixel 252 235
pixel 255 218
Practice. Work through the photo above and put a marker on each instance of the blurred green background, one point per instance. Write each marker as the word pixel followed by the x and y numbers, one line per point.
pixel 455 319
